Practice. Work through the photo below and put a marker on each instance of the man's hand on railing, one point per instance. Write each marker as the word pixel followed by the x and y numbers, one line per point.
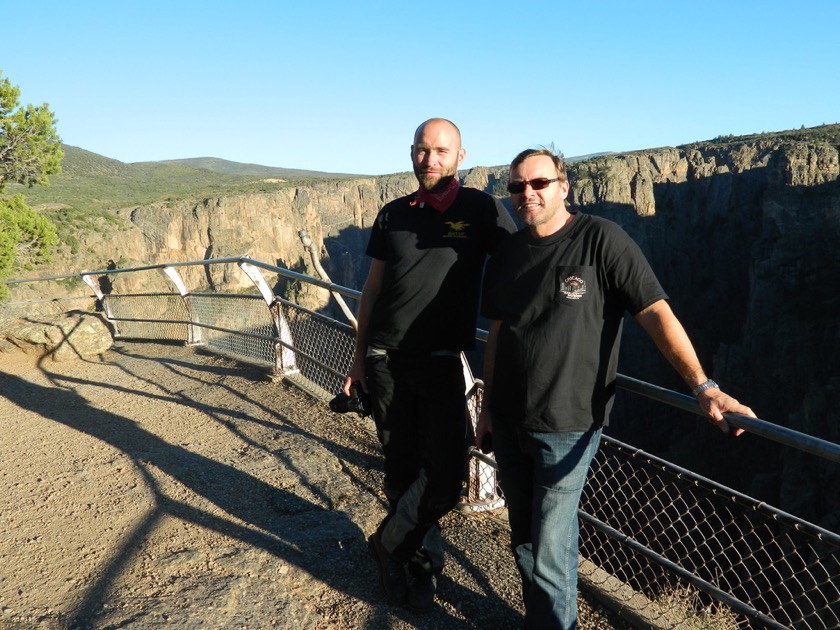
pixel 715 403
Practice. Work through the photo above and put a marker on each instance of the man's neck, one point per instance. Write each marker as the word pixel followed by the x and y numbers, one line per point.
pixel 552 227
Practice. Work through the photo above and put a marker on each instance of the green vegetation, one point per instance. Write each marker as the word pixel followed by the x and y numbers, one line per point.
pixel 69 222
pixel 829 134
pixel 722 139
pixel 30 151
pixel 30 148
pixel 500 188
pixel 595 170
pixel 90 182
pixel 26 238
pixel 83 197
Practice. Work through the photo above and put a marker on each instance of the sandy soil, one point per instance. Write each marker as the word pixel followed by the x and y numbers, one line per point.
pixel 158 486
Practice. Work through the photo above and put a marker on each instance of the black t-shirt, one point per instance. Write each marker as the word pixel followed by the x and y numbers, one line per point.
pixel 561 300
pixel 434 260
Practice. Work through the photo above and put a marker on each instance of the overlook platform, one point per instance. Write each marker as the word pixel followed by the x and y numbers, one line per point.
pixel 161 483
pixel 162 486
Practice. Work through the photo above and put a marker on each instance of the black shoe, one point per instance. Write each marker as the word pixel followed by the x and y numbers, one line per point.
pixel 392 574
pixel 422 586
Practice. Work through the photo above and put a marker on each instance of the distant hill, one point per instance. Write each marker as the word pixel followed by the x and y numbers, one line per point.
pixel 89 181
pixel 252 170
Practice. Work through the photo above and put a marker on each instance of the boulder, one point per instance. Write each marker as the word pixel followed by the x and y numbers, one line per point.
pixel 72 335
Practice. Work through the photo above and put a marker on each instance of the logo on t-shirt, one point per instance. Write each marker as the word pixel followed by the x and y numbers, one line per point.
pixel 457 229
pixel 573 287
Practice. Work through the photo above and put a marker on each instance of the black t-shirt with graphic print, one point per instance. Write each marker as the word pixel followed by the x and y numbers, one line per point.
pixel 434 261
pixel 561 300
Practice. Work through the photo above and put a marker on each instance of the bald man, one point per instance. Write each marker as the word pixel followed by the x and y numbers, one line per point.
pixel 416 314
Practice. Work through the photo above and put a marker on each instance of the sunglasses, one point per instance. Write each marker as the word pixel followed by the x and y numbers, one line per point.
pixel 539 183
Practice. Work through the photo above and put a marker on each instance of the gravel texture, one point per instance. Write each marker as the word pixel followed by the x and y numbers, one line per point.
pixel 158 486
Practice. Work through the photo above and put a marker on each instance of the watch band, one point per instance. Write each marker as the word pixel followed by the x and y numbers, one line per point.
pixel 702 387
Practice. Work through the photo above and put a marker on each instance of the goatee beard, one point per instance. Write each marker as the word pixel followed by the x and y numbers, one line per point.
pixel 440 184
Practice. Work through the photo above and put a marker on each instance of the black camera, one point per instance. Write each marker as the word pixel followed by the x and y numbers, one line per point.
pixel 358 401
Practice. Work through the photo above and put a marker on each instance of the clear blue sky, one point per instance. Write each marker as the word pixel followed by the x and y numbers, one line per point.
pixel 340 86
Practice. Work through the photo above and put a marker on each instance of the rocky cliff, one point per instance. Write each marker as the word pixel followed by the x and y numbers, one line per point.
pixel 263 226
pixel 743 234
pixel 744 237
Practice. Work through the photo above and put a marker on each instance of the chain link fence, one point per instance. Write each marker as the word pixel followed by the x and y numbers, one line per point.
pixel 666 547
pixel 154 316
pixel 323 348
pixel 693 547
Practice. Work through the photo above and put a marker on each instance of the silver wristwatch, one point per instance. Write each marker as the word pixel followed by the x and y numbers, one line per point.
pixel 702 387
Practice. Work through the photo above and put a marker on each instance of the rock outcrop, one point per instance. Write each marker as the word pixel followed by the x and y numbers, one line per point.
pixel 65 337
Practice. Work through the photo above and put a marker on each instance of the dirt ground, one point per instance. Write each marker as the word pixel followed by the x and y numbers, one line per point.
pixel 157 486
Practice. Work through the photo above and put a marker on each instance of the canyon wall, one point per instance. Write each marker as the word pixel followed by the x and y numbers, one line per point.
pixel 744 237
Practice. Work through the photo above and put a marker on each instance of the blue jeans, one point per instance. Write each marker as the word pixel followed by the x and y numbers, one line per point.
pixel 542 476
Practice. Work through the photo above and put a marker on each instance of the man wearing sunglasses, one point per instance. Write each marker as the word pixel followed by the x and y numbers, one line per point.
pixel 416 314
pixel 556 293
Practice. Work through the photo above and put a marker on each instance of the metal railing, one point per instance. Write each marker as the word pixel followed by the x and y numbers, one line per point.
pixel 666 547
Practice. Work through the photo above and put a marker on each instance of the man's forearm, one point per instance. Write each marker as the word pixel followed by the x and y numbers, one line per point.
pixel 370 294
pixel 490 358
pixel 670 337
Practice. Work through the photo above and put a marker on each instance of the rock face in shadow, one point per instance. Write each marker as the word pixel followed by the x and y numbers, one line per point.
pixel 743 235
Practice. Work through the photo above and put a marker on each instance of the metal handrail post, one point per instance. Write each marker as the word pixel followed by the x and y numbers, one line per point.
pixel 309 246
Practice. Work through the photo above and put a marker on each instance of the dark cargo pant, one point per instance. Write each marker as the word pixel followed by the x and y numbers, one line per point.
pixel 419 408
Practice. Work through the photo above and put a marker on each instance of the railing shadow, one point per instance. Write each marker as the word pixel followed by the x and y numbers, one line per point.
pixel 236 493
pixel 241 497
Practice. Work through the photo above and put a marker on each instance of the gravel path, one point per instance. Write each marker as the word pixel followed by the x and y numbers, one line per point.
pixel 162 487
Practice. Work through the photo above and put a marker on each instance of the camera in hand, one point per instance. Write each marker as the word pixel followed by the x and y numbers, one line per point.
pixel 358 401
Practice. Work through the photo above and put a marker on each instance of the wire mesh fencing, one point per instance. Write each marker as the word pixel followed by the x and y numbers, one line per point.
pixel 692 546
pixel 155 316
pixel 323 348
pixel 237 326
